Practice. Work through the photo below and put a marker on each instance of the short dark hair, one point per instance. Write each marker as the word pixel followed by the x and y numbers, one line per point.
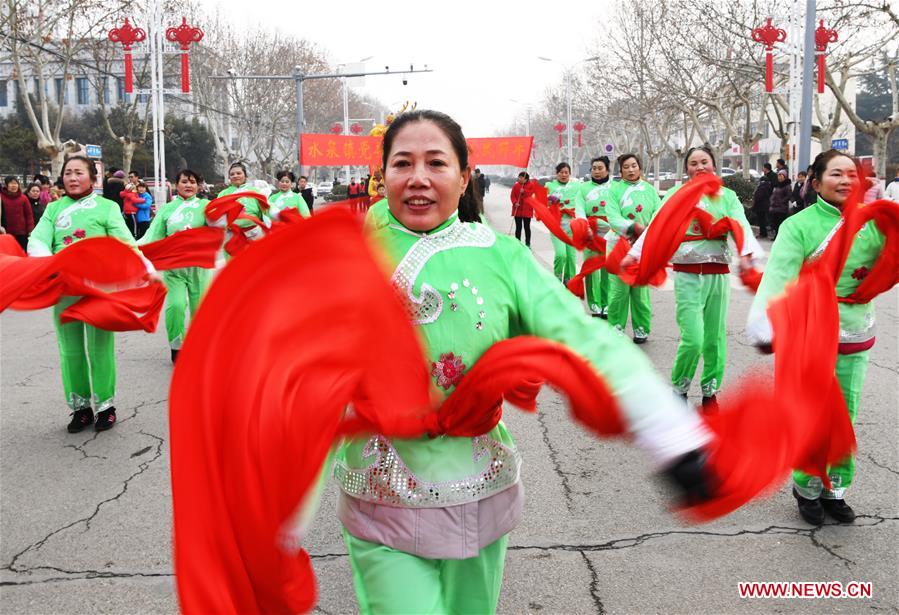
pixel 563 165
pixel 10 178
pixel 91 167
pixel 603 159
pixel 704 148
pixel 525 175
pixel 767 165
pixel 282 174
pixel 238 164
pixel 625 157
pixel 782 161
pixel 189 173
pixel 302 177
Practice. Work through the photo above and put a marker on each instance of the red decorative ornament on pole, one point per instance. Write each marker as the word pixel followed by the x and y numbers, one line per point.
pixel 127 35
pixel 184 35
pixel 355 128
pixel 823 36
pixel 559 128
pixel 768 35
pixel 579 128
pixel 336 128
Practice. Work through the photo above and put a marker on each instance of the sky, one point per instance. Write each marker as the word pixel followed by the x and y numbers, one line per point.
pixel 483 53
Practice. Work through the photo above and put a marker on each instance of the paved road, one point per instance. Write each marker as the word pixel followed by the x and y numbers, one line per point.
pixel 85 523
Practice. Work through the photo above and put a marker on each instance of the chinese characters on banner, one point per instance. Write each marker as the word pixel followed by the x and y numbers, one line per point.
pixel 339 150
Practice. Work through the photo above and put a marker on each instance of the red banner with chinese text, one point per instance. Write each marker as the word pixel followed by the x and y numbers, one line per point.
pixel 338 150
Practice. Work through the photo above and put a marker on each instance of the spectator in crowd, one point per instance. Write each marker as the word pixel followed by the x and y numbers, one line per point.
pixel 144 209
pixel 44 182
pixel 34 197
pixel 380 194
pixel 522 211
pixel 796 197
pixel 113 186
pixel 808 194
pixel 892 190
pixel 376 180
pixel 130 199
pixel 781 165
pixel 761 201
pixel 486 184
pixel 133 178
pixel 305 191
pixel 55 193
pixel 780 201
pixel 770 174
pixel 480 183
pixel 872 187
pixel 352 190
pixel 15 211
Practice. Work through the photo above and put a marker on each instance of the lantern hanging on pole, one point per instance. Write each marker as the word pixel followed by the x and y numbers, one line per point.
pixel 579 128
pixel 336 128
pixel 127 35
pixel 823 36
pixel 184 35
pixel 559 128
pixel 768 35
pixel 355 128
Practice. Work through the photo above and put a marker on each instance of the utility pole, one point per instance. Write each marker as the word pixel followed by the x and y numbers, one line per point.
pixel 808 64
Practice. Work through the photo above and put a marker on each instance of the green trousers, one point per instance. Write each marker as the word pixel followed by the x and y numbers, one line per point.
pixel 633 300
pixel 391 581
pixel 87 375
pixel 701 310
pixel 596 287
pixel 851 370
pixel 564 256
pixel 185 286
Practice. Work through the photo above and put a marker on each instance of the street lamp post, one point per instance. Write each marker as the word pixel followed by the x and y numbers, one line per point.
pixel 346 107
pixel 567 74
pixel 299 77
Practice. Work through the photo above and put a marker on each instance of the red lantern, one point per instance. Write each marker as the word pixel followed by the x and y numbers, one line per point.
pixel 184 35
pixel 823 36
pixel 768 35
pixel 579 128
pixel 336 128
pixel 559 128
pixel 355 128
pixel 127 35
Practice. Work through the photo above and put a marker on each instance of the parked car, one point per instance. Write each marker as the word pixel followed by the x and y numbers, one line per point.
pixel 754 174
pixel 323 188
pixel 725 171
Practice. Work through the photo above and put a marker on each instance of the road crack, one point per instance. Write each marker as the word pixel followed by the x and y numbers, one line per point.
pixel 554 459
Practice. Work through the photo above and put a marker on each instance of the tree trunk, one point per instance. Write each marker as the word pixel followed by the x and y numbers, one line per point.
pixel 880 141
pixel 744 156
pixel 128 147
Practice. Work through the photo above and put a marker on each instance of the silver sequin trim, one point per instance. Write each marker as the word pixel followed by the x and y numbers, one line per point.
pixel 426 308
pixel 388 480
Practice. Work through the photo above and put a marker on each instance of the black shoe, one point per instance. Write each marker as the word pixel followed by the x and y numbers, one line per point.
pixel 710 405
pixel 604 315
pixel 105 420
pixel 81 419
pixel 174 355
pixel 839 510
pixel 810 510
pixel 689 476
pixel 640 340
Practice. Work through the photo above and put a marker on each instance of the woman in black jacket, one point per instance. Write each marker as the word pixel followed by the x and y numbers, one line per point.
pixel 780 201
pixel 761 201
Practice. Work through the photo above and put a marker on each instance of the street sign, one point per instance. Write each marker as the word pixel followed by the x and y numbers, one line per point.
pixel 842 144
pixel 609 148
pixel 93 151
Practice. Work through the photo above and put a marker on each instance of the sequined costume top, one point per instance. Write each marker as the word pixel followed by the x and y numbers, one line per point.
pixel 67 221
pixel 467 287
pixel 631 203
pixel 803 237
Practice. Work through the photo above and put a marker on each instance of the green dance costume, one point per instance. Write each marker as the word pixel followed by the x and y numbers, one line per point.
pixel 702 293
pixel 279 201
pixel 426 520
pixel 565 256
pixel 596 196
pixel 631 203
pixel 803 237
pixel 185 285
pixel 88 376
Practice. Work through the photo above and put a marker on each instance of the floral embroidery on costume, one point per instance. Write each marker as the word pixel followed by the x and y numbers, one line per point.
pixel 448 370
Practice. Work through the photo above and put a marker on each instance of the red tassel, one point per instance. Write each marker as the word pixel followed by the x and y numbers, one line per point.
pixel 185 72
pixel 820 73
pixel 769 73
pixel 129 74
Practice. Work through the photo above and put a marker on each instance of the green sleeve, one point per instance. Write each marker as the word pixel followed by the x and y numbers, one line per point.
pixel 656 202
pixel 660 422
pixel 736 211
pixel 40 242
pixel 302 207
pixel 115 225
pixel 580 207
pixel 157 228
pixel 618 222
pixel 783 266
